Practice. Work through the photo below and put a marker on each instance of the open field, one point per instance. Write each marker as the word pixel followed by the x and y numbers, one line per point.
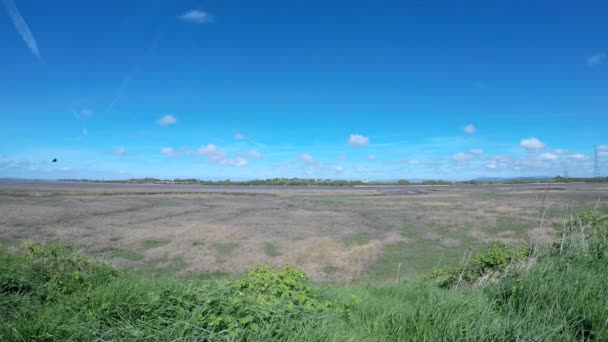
pixel 332 234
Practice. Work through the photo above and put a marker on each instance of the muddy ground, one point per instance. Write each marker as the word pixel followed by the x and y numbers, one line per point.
pixel 336 235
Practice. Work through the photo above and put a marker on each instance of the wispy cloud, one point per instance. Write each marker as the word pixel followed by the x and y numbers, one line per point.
pixel 578 156
pixel 197 17
pixel 168 119
pixel 532 144
pixel 308 159
pixel 86 113
pixel 121 151
pixel 404 161
pixel 356 140
pixel 239 136
pixel 216 155
pixel 171 152
pixel 210 151
pixel 465 157
pixel 470 129
pixel 602 150
pixel 596 59
pixel 22 27
pixel 548 156
pixel 253 154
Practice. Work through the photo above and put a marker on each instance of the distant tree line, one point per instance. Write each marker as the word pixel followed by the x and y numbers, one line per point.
pixel 339 182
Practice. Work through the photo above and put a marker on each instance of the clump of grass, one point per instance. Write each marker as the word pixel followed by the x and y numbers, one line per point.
pixel 271 250
pixel 356 239
pixel 126 254
pixel 330 268
pixel 481 267
pixel 148 244
pixel 224 250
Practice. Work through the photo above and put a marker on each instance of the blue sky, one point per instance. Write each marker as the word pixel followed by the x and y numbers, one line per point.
pixel 321 89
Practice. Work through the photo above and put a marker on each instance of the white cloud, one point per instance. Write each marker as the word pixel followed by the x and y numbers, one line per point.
pixel 371 157
pixel 548 156
pixel 470 129
pixel 168 119
pixel 197 17
pixel 465 157
pixel 239 136
pixel 218 156
pixel 210 151
pixel 168 151
pixel 238 161
pixel 578 156
pixel 22 27
pixel 357 140
pixel 499 162
pixel 339 169
pixel 404 161
pixel 308 159
pixel 532 144
pixel 596 59
pixel 602 150
pixel 462 157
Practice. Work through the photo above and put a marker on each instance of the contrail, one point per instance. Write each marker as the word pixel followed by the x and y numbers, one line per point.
pixel 125 82
pixel 21 26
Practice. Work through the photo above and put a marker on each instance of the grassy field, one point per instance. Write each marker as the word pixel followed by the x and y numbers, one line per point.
pixel 526 293
pixel 333 235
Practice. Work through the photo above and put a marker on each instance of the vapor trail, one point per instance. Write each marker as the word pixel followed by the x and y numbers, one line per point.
pixel 21 26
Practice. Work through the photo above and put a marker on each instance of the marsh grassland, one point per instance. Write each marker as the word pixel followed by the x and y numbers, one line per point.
pixel 333 235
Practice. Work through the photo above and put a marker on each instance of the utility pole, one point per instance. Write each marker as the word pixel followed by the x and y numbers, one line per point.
pixel 596 165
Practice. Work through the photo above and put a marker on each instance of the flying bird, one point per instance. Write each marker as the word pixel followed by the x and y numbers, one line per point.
pixel 55 160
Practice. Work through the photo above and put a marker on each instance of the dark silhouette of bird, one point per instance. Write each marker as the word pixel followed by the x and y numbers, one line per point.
pixel 55 160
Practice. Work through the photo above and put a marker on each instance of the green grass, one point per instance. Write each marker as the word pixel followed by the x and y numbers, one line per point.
pixel 271 250
pixel 224 250
pixel 148 244
pixel 126 254
pixel 508 223
pixel 55 293
pixel 356 239
pixel 162 267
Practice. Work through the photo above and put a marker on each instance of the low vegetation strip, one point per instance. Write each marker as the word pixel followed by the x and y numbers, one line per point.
pixel 557 293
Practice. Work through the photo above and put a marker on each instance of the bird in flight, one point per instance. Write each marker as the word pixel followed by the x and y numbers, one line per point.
pixel 55 160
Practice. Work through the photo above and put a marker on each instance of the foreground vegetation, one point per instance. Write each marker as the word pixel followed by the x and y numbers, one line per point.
pixel 557 293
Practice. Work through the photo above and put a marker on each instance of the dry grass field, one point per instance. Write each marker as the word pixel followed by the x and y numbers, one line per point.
pixel 334 235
